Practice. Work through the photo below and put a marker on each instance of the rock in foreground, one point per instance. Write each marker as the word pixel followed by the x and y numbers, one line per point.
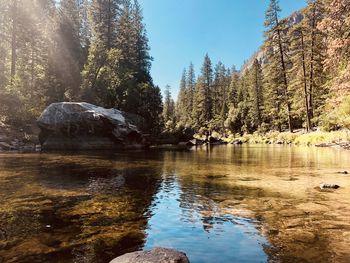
pixel 329 186
pixel 156 255
pixel 83 126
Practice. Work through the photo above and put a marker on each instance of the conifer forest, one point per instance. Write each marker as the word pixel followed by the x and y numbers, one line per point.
pixel 127 134
pixel 97 51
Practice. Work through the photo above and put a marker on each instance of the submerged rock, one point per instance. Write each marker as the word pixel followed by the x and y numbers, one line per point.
pixel 156 255
pixel 343 172
pixel 237 142
pixel 329 186
pixel 195 142
pixel 83 126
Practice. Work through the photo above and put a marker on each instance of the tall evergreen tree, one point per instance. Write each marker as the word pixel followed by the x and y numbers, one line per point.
pixel 233 88
pixel 168 110
pixel 200 111
pixel 299 71
pixel 204 91
pixel 336 26
pixel 276 50
pixel 96 84
pixel 257 93
pixel 66 55
pixel 191 86
pixel 182 101
pixel 143 58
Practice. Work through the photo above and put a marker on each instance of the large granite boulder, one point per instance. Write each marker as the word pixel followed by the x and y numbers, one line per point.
pixel 83 126
pixel 156 255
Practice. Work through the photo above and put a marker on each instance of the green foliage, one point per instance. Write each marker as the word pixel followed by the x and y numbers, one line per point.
pixel 202 105
pixel 75 49
pixel 288 87
pixel 339 117
pixel 98 51
pixel 168 115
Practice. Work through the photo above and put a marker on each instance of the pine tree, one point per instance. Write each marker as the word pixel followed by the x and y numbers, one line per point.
pixel 233 88
pixel 314 15
pixel 220 90
pixel 217 88
pixel 143 58
pixel 200 110
pixel 85 30
pixel 4 43
pixel 204 91
pixel 67 53
pixel 96 86
pixel 239 118
pixel 257 93
pixel 168 110
pixel 182 101
pixel 117 73
pixel 299 71
pixel 276 50
pixel 151 108
pixel 103 17
pixel 24 50
pixel 336 27
pixel 307 48
pixel 191 85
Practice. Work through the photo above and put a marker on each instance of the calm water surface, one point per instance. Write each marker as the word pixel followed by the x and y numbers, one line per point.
pixel 220 204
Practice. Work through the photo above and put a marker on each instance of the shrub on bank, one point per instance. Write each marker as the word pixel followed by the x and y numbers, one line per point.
pixel 299 138
pixel 323 137
pixel 337 117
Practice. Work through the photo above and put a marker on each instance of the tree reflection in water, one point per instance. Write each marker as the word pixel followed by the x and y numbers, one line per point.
pixel 219 204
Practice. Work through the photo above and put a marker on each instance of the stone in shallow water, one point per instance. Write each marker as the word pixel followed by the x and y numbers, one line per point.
pixel 156 255
pixel 329 186
pixel 83 126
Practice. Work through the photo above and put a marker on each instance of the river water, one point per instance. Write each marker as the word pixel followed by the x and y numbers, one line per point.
pixel 219 204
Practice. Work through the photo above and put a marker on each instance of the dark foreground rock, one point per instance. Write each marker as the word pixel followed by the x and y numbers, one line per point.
pixel 209 141
pixel 329 186
pixel 83 126
pixel 342 172
pixel 156 255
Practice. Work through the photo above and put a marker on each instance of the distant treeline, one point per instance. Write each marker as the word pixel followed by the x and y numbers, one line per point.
pixel 72 50
pixel 301 79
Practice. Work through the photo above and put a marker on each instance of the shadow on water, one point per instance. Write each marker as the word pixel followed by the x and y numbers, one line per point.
pixel 220 204
pixel 74 208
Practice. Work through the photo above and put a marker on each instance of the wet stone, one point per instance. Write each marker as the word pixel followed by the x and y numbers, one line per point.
pixel 156 255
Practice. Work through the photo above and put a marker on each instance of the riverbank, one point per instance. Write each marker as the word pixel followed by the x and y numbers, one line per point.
pixel 339 138
pixel 26 139
pixel 19 138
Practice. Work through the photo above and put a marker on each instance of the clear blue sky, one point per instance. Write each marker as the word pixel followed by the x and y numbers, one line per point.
pixel 181 31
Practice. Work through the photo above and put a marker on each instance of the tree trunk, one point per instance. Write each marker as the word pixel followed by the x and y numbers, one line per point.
pixel 285 81
pixel 311 114
pixel 257 92
pixel 14 41
pixel 308 122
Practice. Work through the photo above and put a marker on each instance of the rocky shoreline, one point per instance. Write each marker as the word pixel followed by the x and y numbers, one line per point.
pixel 18 140
pixel 79 126
pixel 13 139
